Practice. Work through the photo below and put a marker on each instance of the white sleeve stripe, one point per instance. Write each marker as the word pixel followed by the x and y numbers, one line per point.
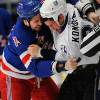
pixel 28 62
pixel 54 67
pixel 86 7
pixel 23 55
pixel 88 36
pixel 90 45
pixel 17 75
pixel 12 67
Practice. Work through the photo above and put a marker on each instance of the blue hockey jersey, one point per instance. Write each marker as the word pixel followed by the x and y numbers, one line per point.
pixel 16 60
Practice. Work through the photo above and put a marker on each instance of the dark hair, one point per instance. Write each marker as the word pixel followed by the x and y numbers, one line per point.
pixel 45 19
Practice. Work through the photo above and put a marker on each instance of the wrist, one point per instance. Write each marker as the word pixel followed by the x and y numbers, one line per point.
pixel 39 52
pixel 60 66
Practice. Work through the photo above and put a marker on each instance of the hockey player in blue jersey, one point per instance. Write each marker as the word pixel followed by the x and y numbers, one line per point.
pixel 19 70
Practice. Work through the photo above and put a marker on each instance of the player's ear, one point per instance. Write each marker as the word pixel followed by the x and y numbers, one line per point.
pixel 26 22
pixel 61 18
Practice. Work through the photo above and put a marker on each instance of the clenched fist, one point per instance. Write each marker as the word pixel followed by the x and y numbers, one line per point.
pixel 34 51
pixel 71 64
pixel 93 17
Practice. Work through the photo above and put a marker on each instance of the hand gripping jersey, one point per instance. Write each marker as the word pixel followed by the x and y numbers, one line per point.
pixel 16 60
pixel 67 43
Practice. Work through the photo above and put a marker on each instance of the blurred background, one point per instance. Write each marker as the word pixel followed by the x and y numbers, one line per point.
pixel 8 17
pixel 10 6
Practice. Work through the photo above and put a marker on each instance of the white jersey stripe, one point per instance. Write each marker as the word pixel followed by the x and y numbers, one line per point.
pixel 90 45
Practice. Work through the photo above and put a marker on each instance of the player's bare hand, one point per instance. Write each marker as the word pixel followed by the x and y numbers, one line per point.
pixel 93 17
pixel 34 50
pixel 71 64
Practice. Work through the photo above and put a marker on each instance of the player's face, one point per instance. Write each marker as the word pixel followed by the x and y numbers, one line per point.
pixel 35 22
pixel 53 25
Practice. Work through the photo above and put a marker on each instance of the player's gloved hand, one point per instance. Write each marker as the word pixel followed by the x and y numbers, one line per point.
pixel 34 50
pixel 93 17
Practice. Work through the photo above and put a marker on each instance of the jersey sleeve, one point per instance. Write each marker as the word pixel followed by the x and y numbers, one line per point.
pixel 38 67
pixel 84 6
pixel 91 43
